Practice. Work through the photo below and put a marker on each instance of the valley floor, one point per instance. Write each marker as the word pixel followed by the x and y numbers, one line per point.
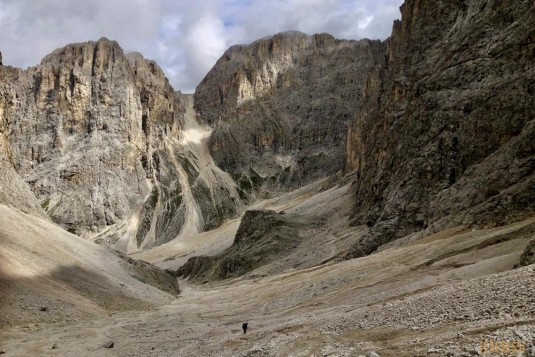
pixel 439 296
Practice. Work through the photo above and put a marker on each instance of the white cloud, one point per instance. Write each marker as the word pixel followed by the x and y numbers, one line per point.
pixel 184 37
pixel 205 42
pixel 363 24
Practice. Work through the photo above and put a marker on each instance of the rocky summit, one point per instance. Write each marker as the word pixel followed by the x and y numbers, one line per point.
pixel 280 106
pixel 108 148
pixel 343 197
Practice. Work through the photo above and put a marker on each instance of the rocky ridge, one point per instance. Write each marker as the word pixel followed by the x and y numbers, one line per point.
pixel 446 137
pixel 280 106
pixel 111 151
pixel 262 237
pixel 95 134
pixel 439 117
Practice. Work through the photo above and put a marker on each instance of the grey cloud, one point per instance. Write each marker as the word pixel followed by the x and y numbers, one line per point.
pixel 184 37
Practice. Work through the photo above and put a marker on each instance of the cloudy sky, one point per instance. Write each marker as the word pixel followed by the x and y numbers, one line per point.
pixel 184 37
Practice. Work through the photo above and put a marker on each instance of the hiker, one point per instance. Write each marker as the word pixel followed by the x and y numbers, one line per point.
pixel 244 327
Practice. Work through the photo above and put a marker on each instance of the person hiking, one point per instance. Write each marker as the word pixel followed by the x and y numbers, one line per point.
pixel 244 327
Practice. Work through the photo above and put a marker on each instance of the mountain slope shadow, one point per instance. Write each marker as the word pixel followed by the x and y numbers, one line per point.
pixel 71 292
pixel 43 266
pixel 263 236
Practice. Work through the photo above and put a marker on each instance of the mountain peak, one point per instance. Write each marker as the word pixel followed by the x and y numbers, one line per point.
pixel 85 51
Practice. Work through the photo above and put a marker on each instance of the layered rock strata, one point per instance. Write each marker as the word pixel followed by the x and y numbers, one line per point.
pixel 446 136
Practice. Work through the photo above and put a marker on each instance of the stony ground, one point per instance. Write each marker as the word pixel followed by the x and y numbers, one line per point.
pixel 440 296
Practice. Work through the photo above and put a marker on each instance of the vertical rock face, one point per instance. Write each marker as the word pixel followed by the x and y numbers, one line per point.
pixel 446 136
pixel 81 132
pixel 279 106
pixel 95 134
pixel 436 123
pixel 14 191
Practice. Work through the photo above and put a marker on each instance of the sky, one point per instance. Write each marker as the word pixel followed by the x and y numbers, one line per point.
pixel 184 37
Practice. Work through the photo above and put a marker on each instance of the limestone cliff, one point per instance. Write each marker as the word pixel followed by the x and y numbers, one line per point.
pixel 280 106
pixel 96 134
pixel 447 134
pixel 436 124
pixel 14 191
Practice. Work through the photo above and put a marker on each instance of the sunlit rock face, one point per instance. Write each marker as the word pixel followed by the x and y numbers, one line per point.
pixel 80 126
pixel 97 135
pixel 280 106
pixel 14 191
pixel 435 124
